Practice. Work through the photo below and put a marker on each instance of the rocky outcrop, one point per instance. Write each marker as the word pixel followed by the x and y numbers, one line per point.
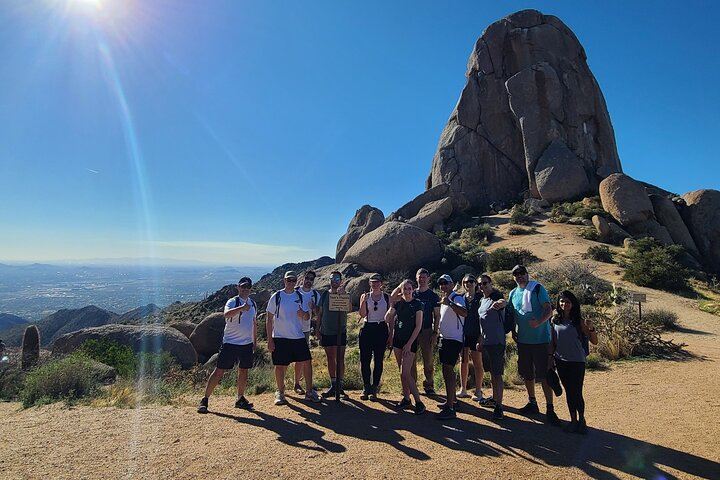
pixel 395 246
pixel 432 214
pixel 702 217
pixel 528 86
pixel 602 226
pixel 559 174
pixel 141 338
pixel 412 208
pixel 208 334
pixel 366 220
pixel 625 199
pixel 669 217
pixel 186 328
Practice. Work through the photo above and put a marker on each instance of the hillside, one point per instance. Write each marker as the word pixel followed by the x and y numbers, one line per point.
pixel 8 320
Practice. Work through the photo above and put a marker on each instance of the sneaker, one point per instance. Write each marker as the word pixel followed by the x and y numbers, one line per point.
pixel 446 414
pixel 365 395
pixel 444 404
pixel 531 407
pixel 203 407
pixel 582 428
pixel 498 413
pixel 429 390
pixel 404 403
pixel 462 394
pixel 372 396
pixel 312 396
pixel 571 427
pixel 552 417
pixel 477 396
pixel 329 393
pixel 243 403
pixel 344 395
pixel 299 389
pixel 488 402
pixel 280 398
pixel 419 408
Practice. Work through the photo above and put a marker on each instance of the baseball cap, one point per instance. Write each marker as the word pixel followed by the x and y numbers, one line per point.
pixel 519 269
pixel 445 277
pixel 375 277
pixel 290 274
pixel 245 282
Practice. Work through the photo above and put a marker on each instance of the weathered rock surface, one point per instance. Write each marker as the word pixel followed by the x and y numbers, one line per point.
pixel 141 338
pixel 669 217
pixel 528 85
pixel 186 328
pixel 366 220
pixel 618 233
pixel 651 228
pixel 395 246
pixel 602 226
pixel 559 174
pixel 626 200
pixel 207 336
pixel 702 216
pixel 432 214
pixel 412 208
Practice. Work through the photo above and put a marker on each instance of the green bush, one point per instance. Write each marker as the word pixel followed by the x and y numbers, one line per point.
pixel 503 281
pixel 589 233
pixel 520 215
pixel 562 211
pixel 651 264
pixel 120 357
pixel 69 378
pixel 517 230
pixel 11 381
pixel 665 319
pixel 480 234
pixel 599 253
pixel 578 277
pixel 505 258
pixel 593 361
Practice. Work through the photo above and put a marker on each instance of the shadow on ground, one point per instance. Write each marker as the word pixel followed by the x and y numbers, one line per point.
pixel 521 437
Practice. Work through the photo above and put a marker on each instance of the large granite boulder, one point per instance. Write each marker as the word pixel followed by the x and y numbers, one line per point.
pixel 702 217
pixel 669 217
pixel 141 338
pixel 366 220
pixel 625 199
pixel 602 226
pixel 412 208
pixel 186 328
pixel 559 174
pixel 528 85
pixel 208 334
pixel 432 214
pixel 395 246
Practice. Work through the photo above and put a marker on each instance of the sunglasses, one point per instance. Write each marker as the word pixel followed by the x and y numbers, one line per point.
pixel 335 279
pixel 310 279
pixel 469 281
pixel 291 280
pixel 442 283
pixel 376 304
pixel 519 274
pixel 484 283
pixel 244 286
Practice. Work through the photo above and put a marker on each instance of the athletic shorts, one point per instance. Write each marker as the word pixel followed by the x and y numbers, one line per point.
pixel 449 351
pixel 288 351
pixel 331 340
pixel 493 357
pixel 400 343
pixel 230 354
pixel 532 360
pixel 471 342
pixel 307 337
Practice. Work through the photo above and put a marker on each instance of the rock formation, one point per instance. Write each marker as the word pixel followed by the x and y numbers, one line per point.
pixel 702 216
pixel 529 96
pixel 208 334
pixel 366 220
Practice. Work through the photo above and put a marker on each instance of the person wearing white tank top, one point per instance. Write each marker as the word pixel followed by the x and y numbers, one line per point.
pixel 373 336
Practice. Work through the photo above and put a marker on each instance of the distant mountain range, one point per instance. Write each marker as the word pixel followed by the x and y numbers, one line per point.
pixel 8 320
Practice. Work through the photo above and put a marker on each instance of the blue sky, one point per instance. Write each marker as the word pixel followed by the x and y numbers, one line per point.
pixel 248 132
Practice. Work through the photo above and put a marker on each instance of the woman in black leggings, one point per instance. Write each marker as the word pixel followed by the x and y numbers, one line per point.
pixel 373 336
pixel 571 334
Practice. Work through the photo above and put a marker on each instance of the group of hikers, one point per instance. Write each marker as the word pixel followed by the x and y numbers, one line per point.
pixel 468 322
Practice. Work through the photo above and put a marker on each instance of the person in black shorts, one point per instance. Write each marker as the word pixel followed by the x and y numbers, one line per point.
pixel 471 334
pixel 452 317
pixel 328 324
pixel 405 320
pixel 492 342
pixel 238 345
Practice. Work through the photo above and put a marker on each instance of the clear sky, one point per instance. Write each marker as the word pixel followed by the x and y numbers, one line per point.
pixel 248 132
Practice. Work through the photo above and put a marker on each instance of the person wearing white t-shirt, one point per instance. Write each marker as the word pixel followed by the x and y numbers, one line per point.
pixel 238 344
pixel 310 298
pixel 452 315
pixel 286 341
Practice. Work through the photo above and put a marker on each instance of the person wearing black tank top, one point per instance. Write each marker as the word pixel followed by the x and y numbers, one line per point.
pixel 374 336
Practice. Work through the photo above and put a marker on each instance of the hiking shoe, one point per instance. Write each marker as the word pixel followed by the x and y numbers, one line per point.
pixel 419 408
pixel 329 393
pixel 404 403
pixel 280 398
pixel 365 395
pixel 372 396
pixel 312 396
pixel 243 403
pixel 571 427
pixel 429 390
pixel 552 417
pixel 203 407
pixel 299 389
pixel 531 407
pixel 344 395
pixel 446 413
pixel 462 394
pixel 444 404
pixel 488 402
pixel 498 413
pixel 477 396
pixel 582 428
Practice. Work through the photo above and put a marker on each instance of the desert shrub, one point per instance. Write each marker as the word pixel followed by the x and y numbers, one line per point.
pixel 710 306
pixel 12 377
pixel 562 211
pixel 503 281
pixel 593 361
pixel 520 215
pixel 481 234
pixel 154 365
pixel 517 230
pixel 589 233
pixel 69 378
pixel 599 253
pixel 120 357
pixel 651 264
pixel 665 319
pixel 578 277
pixel 506 259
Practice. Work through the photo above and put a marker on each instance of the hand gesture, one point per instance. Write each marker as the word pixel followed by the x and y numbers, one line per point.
pixel 300 313
pixel 499 304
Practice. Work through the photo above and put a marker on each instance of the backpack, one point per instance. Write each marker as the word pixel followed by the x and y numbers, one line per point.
pixel 314 295
pixel 237 302
pixel 509 320
pixel 277 300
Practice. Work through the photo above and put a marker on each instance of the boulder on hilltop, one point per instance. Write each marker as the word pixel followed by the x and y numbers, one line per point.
pixel 365 220
pixel 702 216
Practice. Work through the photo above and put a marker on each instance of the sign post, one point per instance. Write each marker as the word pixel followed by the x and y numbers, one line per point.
pixel 639 298
pixel 338 302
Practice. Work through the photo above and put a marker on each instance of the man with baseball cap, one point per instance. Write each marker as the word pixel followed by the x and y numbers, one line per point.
pixel 286 312
pixel 452 313
pixel 238 345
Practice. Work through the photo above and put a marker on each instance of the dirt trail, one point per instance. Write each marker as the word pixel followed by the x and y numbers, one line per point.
pixel 648 420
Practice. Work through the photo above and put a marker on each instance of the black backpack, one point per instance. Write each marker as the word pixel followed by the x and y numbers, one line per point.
pixel 237 302
pixel 277 300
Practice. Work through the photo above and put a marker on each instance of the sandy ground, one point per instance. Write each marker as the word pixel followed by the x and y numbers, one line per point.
pixel 648 420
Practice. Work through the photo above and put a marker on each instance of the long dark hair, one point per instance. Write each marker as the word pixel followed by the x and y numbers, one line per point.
pixel 575 315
